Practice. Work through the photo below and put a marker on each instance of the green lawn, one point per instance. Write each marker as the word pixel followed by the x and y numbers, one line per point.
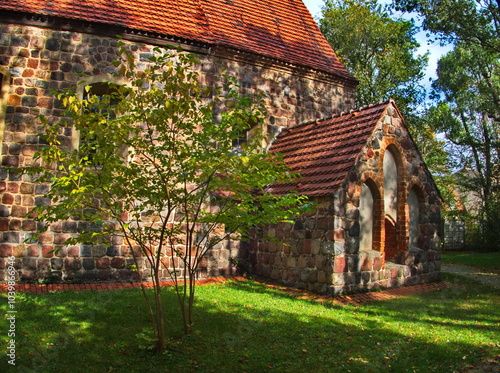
pixel 483 260
pixel 246 327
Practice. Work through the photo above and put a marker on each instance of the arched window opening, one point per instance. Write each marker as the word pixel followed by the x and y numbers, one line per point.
pixel 391 217
pixel 366 218
pixel 414 213
pixel 390 186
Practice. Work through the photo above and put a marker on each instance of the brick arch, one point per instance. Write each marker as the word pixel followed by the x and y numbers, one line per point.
pixel 398 152
pixel 415 184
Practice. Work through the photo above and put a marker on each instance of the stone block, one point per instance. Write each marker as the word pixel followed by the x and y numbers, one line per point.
pixel 321 277
pixel 312 276
pixel 113 251
pixel 99 250
pixel 11 237
pixel 307 249
pixel 88 264
pixel 275 274
pixel 43 266
pixel 42 201
pixel 104 274
pixel 85 251
pixel 72 264
pixel 319 262
pixel 15 225
pixel 6 250
pixel 33 251
pixel 352 244
pixel 47 251
pixel 365 278
pixel 339 248
pixel 340 264
pixel 29 263
pixel 315 247
pixel 352 263
pixel 366 264
pixel 28 225
pixel 102 263
pixel 45 238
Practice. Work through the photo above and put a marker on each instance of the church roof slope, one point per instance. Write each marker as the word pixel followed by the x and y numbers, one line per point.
pixel 324 152
pixel 278 29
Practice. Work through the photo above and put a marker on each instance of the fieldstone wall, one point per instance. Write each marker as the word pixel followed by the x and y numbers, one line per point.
pixel 321 251
pixel 34 60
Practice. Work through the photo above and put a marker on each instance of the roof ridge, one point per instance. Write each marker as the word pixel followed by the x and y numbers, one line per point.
pixel 283 31
pixel 341 114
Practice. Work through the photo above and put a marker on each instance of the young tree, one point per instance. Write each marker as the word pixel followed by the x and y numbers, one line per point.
pixel 156 165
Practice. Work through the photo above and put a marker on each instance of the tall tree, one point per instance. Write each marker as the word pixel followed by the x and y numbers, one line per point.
pixel 467 95
pixel 378 50
pixel 467 91
pixel 470 21
pixel 157 169
pixel 381 53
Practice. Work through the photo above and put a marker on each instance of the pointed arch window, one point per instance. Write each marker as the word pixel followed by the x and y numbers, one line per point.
pixel 390 186
pixel 366 218
pixel 413 218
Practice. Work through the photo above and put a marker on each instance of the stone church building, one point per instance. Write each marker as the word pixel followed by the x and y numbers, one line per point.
pixel 376 219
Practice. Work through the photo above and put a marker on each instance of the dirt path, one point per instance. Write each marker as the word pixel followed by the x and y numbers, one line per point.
pixel 488 278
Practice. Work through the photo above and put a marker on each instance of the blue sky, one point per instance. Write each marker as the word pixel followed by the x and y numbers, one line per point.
pixel 436 51
pixel 314 6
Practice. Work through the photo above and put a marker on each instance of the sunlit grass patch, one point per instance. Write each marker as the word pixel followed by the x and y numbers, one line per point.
pixel 248 327
pixel 484 260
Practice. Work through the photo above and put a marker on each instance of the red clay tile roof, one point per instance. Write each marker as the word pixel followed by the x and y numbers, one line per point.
pixel 324 152
pixel 279 29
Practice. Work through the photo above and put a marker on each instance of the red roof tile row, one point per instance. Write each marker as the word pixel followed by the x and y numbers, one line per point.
pixel 324 152
pixel 279 29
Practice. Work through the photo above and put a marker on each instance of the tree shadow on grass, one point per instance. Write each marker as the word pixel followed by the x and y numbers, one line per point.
pixel 241 327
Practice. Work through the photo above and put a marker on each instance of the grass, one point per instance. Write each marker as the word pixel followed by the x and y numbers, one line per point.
pixel 247 327
pixel 483 260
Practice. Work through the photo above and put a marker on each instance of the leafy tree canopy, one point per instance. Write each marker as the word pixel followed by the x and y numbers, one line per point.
pixel 471 21
pixel 378 50
pixel 467 100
